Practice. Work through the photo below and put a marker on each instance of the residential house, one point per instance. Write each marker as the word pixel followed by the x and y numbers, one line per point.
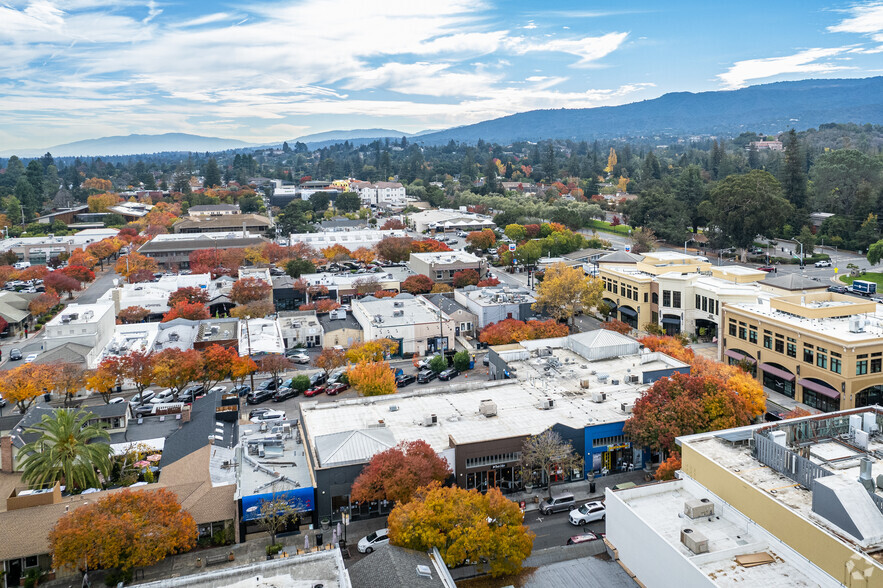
pixel 340 329
pixel 465 321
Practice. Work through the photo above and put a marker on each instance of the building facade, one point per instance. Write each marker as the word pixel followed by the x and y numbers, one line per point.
pixel 441 267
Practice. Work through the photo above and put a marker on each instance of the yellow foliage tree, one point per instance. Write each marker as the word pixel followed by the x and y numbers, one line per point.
pixel 372 378
pixel 623 184
pixel 566 290
pixel 101 202
pixel 611 161
pixel 464 525
pixel 372 350
pixel 22 385
pixel 98 184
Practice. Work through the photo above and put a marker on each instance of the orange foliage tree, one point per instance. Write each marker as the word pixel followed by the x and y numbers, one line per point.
pixel 216 365
pixel 247 290
pixel 81 257
pixel 107 376
pixel 617 326
pixel 176 368
pixel 392 224
pixel 512 331
pixel 124 530
pixel 186 310
pixel 384 294
pixel 133 314
pixel 133 262
pixel 372 378
pixel 364 255
pixel 395 474
pixel 487 282
pixel 667 469
pixel 43 303
pixel 97 184
pixel 191 294
pixel 22 385
pixel 483 239
pixel 138 368
pixel 428 246
pixel 418 284
pixel 329 360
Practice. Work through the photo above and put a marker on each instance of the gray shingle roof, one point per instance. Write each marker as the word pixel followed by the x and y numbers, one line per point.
pixel 352 447
pixel 393 567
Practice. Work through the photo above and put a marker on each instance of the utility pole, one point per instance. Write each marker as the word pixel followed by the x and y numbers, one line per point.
pixel 248 336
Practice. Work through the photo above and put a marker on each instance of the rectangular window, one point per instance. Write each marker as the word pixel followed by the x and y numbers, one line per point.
pixel 743 333
pixel 780 345
pixel 822 360
pixel 645 297
pixel 676 299
pixel 861 367
pixel 791 350
pixel 752 335
pixel 767 341
pixel 876 366
pixel 698 302
pixel 705 304
pixel 666 298
pixel 615 288
pixel 808 355
pixel 733 329
pixel 835 365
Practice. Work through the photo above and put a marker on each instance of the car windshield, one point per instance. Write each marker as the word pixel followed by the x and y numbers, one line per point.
pixel 584 509
pixel 371 537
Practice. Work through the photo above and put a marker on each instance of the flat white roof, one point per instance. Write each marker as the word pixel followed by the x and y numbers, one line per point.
pixel 85 313
pixel 458 255
pixel 400 310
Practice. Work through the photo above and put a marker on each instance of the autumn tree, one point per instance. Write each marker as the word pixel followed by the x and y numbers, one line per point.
pixel 611 161
pixel 376 350
pixel 80 273
pixel 106 377
pixel 672 346
pixel 275 514
pixel 617 326
pixel 22 385
pixel 441 288
pixel 372 378
pixel 140 276
pixel 133 314
pixel 394 249
pixel 187 310
pixel 101 202
pixel 667 469
pixel 241 368
pixel 467 277
pixel 43 303
pixel 417 284
pixel 176 368
pixel 329 360
pixel 336 252
pixel 488 282
pixel 392 224
pixel 512 331
pixel 643 240
pixel 429 246
pixel 566 291
pixel 133 262
pixel 125 530
pixel 97 184
pixel 62 283
pixel 81 257
pixel 364 255
pixel 547 453
pixel 64 379
pixel 463 525
pixel 256 309
pixel 138 369
pixel 483 239
pixel 191 294
pixel 395 474
pixel 247 290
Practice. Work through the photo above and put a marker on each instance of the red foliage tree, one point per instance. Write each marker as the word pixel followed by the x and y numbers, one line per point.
pixel 488 282
pixel 133 314
pixel 512 331
pixel 429 246
pixel 617 326
pixel 385 294
pixel 142 275
pixel 418 284
pixel 187 310
pixel 483 239
pixel 532 231
pixel 467 277
pixel 79 273
pixel 394 249
pixel 247 290
pixel 395 474
pixel 61 283
pixel 392 224
pixel 191 294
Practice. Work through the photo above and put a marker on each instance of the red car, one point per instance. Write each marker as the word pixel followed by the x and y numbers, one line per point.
pixel 314 391
pixel 585 537
pixel 335 389
pixel 767 269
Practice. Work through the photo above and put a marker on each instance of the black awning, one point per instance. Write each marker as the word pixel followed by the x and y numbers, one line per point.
pixel 628 311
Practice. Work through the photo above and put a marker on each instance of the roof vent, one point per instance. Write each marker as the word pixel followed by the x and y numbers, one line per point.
pixel 173 336
pixel 398 313
pixel 424 571
pixel 547 404
pixel 488 408
pixel 430 420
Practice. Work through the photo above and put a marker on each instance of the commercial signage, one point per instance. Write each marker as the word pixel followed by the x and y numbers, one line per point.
pixel 300 499
pixel 512 247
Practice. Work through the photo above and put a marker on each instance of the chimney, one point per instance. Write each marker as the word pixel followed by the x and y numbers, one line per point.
pixel 116 295
pixel 866 477
pixel 243 229
pixel 6 461
pixel 185 414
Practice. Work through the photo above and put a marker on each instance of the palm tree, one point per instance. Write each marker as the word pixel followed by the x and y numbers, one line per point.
pixel 68 451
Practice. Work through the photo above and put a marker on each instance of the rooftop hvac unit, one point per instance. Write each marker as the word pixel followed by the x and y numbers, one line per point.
pixel 487 408
pixel 398 313
pixel 547 404
pixel 65 319
pixel 702 507
pixel 861 440
pixel 602 377
pixel 430 420
pixel 627 407
pixel 88 315
pixel 173 336
pixel 599 397
pixel 398 304
pixel 215 329
pixel 632 379
pixel 856 324
pixel 869 424
pixel 584 383
pixel 779 437
pixel 694 541
pixel 615 382
pixel 74 316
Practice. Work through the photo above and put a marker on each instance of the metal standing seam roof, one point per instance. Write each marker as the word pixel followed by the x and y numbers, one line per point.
pixel 352 447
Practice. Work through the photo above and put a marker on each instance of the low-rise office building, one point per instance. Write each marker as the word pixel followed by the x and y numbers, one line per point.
pixel 89 325
pixel 173 250
pixel 352 239
pixel 445 220
pixel 39 250
pixel 343 286
pixel 417 325
pixel 259 337
pixel 822 349
pixel 441 266
pixel 214 210
pixel 496 303
pixel 255 224
pixel 340 329
pixel 300 328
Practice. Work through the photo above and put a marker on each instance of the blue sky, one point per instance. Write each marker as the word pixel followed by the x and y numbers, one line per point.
pixel 274 70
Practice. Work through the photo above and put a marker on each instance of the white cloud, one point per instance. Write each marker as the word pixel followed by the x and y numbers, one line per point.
pixel 866 18
pixel 809 61
pixel 588 49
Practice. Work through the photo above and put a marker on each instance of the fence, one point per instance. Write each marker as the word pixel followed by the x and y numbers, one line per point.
pixel 786 462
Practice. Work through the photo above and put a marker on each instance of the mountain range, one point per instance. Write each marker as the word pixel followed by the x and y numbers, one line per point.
pixel 356 137
pixel 766 108
pixel 135 145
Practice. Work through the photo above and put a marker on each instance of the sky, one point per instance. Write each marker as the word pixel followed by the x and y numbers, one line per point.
pixel 274 70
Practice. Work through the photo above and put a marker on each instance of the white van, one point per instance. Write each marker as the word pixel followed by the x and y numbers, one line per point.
pixel 20 265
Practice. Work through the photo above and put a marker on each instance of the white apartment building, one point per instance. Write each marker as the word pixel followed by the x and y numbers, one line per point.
pixel 89 325
pixel 390 193
pixel 352 239
pixel 414 322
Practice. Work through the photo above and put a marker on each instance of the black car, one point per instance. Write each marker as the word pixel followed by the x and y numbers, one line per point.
pixel 285 393
pixel 404 380
pixel 256 411
pixel 838 289
pixel 15 354
pixel 270 384
pixel 448 374
pixel 259 396
pixel 318 378
pixel 191 393
pixel 241 390
pixel 426 376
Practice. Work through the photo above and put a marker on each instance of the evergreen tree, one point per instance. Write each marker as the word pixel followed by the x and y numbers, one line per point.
pixel 793 175
pixel 212 174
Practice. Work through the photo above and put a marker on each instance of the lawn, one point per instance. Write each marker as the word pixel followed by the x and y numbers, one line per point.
pixel 605 226
pixel 868 277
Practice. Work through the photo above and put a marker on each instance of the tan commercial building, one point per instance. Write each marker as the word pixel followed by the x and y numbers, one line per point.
pixel 819 348
pixel 441 267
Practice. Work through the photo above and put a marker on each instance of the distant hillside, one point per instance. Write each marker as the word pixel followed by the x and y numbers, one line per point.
pixel 766 108
pixel 356 137
pixel 135 144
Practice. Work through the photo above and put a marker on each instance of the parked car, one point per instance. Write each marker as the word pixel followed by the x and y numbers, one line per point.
pixel 404 380
pixel 256 411
pixel 142 410
pixel 336 388
pixel 167 395
pixel 15 355
pixel 259 396
pixel 426 376
pixel 271 416
pixel 587 513
pixel 448 374
pixel 838 289
pixel 241 389
pixel 318 378
pixel 191 393
pixel 270 384
pixel 767 268
pixel 284 394
pixel 114 400
pixel 314 391
pixel 824 263
pixel 298 357
pixel 31 357
pixel 558 503
pixel 584 537
pixel 376 539
pixel 218 389
pixel 145 396
pixel 424 363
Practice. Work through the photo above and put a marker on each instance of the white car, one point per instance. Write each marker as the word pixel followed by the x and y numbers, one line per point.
pixel 31 357
pixel 116 400
pixel 376 539
pixel 269 417
pixel 136 399
pixel 823 263
pixel 219 389
pixel 587 513
pixel 167 395
pixel 299 357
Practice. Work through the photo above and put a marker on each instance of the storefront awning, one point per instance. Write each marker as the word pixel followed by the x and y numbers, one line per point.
pixel 671 320
pixel 774 371
pixel 628 311
pixel 739 356
pixel 820 388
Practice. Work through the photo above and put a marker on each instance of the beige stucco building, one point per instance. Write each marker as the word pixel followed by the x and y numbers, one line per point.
pixel 413 321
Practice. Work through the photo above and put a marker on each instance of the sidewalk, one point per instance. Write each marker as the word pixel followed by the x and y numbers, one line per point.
pixel 581 490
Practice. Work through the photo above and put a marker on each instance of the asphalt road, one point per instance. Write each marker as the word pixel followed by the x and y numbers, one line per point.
pixel 555 529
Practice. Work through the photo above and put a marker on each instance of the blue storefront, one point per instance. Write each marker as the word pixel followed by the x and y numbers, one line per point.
pixel 609 451
pixel 300 499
